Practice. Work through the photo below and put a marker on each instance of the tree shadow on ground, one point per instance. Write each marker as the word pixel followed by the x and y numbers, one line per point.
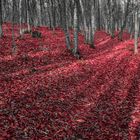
pixel 108 120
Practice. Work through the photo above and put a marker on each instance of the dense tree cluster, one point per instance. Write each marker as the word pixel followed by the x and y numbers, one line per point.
pixel 80 15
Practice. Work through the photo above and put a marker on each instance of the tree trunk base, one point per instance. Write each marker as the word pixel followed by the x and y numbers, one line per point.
pixel 75 54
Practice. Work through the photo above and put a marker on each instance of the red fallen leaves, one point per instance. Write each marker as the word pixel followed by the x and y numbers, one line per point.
pixel 48 94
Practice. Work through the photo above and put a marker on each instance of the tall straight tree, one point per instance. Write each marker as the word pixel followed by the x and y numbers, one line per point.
pixel 136 32
pixel 20 16
pixel 1 32
pixel 92 25
pixel 85 28
pixel 75 50
pixel 38 5
pixel 52 3
pixel 27 15
pixel 65 23
pixel 14 49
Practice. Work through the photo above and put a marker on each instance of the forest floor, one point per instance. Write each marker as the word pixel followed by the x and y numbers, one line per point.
pixel 47 94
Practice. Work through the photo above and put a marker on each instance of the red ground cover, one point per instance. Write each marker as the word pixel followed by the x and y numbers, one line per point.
pixel 46 94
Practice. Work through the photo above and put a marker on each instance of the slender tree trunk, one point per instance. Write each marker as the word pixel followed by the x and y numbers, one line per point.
pixel 92 28
pixel 38 3
pixel 99 14
pixel 1 32
pixel 42 12
pixel 28 18
pixel 14 49
pixel 49 14
pixel 65 24
pixel 75 28
pixel 20 18
pixel 53 14
pixel 136 33
pixel 84 21
pixel 60 13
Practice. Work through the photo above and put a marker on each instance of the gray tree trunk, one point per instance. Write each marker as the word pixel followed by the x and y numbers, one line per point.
pixel 28 18
pixel 136 33
pixel 14 48
pixel 65 24
pixel 92 28
pixel 1 32
pixel 84 21
pixel 20 17
pixel 39 12
pixel 75 28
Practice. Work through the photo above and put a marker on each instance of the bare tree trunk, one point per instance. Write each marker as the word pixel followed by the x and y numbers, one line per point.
pixel 60 13
pixel 14 49
pixel 92 28
pixel 136 33
pixel 42 3
pixel 39 12
pixel 98 15
pixel 20 18
pixel 1 32
pixel 49 14
pixel 75 28
pixel 84 21
pixel 28 18
pixel 65 24
pixel 53 14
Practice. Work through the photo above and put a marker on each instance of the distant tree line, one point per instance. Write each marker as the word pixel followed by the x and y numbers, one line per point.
pixel 86 16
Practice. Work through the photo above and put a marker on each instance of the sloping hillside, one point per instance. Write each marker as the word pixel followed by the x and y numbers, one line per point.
pixel 47 94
